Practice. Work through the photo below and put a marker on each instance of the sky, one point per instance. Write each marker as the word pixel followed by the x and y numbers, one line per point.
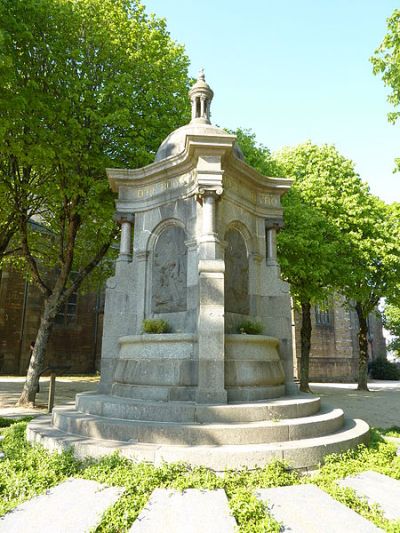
pixel 293 70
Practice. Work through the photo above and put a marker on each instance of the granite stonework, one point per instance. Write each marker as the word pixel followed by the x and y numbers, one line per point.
pixel 198 249
pixel 199 261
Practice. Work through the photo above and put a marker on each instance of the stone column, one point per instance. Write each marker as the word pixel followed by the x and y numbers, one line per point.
pixel 202 106
pixel 210 321
pixel 271 245
pixel 125 248
pixel 272 226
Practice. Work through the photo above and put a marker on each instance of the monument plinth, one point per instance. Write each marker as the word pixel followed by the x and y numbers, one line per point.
pixel 198 250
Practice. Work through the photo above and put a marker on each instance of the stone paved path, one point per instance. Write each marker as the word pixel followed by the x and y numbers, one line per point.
pixel 308 509
pixel 379 489
pixel 194 511
pixel 74 506
pixel 77 505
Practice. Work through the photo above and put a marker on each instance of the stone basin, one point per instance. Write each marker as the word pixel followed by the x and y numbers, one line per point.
pixel 253 369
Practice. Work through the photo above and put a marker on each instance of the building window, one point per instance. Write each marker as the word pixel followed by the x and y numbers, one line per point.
pixel 323 316
pixel 68 312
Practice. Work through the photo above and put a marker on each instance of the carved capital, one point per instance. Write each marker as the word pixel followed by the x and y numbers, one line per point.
pixel 215 192
pixel 120 218
pixel 274 223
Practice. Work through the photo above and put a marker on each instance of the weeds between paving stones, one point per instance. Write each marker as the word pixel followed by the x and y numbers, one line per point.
pixel 27 471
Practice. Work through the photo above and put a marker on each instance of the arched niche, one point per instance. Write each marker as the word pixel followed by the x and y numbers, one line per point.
pixel 169 271
pixel 236 273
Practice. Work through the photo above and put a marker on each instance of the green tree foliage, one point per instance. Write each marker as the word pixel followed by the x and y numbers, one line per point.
pixel 84 85
pixel 391 320
pixel 386 62
pixel 364 233
pixel 256 154
pixel 310 247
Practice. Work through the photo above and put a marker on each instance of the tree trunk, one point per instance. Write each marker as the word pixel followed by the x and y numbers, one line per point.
pixel 305 336
pixel 29 391
pixel 363 347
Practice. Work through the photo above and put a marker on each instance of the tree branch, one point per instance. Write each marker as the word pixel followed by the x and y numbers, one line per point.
pixel 83 273
pixel 23 226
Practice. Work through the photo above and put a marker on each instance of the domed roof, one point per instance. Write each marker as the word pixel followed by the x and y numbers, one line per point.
pixel 174 144
pixel 200 95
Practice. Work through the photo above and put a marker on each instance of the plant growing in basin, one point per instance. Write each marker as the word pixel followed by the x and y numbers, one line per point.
pixel 153 325
pixel 250 327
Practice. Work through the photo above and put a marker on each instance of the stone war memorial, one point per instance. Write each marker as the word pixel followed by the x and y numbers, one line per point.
pixel 198 251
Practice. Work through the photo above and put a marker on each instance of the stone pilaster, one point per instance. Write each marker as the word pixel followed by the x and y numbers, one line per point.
pixel 271 227
pixel 210 322
pixel 278 291
pixel 141 260
pixel 118 302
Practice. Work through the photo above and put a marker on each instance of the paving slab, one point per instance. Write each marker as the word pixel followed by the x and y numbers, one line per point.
pixel 191 511
pixel 74 506
pixel 377 488
pixel 308 509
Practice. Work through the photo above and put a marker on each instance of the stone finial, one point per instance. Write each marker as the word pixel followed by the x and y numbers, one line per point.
pixel 201 96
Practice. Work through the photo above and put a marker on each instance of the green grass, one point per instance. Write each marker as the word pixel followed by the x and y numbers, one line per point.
pixel 27 471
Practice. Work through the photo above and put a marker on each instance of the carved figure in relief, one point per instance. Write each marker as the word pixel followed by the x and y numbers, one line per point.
pixel 169 272
pixel 236 274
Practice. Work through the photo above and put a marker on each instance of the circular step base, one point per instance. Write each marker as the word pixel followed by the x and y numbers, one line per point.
pixel 304 453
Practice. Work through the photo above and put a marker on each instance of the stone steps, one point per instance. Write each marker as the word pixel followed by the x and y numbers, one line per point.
pixel 149 431
pixel 190 412
pixel 303 453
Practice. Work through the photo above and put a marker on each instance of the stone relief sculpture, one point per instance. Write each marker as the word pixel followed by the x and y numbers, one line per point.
pixel 236 274
pixel 169 272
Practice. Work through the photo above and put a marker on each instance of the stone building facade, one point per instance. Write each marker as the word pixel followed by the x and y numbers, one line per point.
pixel 334 343
pixel 75 341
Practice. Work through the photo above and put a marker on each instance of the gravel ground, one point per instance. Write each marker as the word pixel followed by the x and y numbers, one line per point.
pixel 66 389
pixel 380 407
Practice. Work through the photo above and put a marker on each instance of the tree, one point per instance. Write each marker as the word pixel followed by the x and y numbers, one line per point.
pixel 309 248
pixel 371 236
pixel 86 84
pixel 310 244
pixel 368 253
